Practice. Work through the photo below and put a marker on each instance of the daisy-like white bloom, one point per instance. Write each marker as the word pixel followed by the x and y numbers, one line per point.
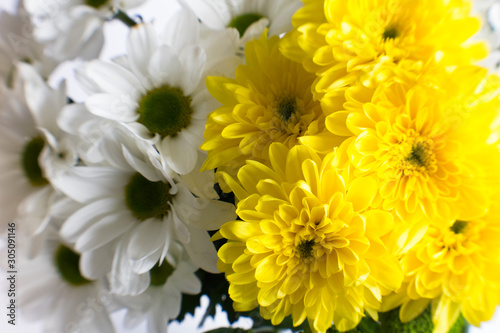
pixel 249 17
pixel 129 200
pixel 427 147
pixel 456 269
pixel 53 290
pixel 158 92
pixel 307 244
pixel 30 140
pixel 73 28
pixel 270 100
pixel 17 43
pixel 161 301
pixel 342 40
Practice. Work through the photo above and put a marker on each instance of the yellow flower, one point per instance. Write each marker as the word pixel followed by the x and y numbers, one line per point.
pixel 456 268
pixel 269 101
pixel 307 245
pixel 426 146
pixel 343 40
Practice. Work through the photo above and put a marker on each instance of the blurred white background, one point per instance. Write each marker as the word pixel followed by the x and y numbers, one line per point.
pixel 116 34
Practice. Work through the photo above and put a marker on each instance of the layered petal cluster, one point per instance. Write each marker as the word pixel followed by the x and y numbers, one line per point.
pixel 342 41
pixel 426 147
pixel 307 244
pixel 270 100
pixel 456 268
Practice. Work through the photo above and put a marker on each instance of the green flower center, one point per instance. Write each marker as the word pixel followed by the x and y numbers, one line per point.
pixel 67 263
pixel 242 22
pixel 29 162
pixel 286 108
pixel 390 32
pixel 160 273
pixel 147 199
pixel 458 227
pixel 418 155
pixel 165 110
pixel 305 248
pixel 96 3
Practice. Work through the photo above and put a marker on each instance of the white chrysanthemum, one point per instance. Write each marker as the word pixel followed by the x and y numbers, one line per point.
pixel 52 289
pixel 30 140
pixel 130 202
pixel 249 17
pixel 17 43
pixel 73 28
pixel 158 91
pixel 161 301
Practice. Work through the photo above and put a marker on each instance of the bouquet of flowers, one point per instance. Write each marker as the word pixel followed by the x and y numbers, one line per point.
pixel 336 160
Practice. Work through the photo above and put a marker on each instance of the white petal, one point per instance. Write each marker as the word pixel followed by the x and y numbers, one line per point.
pixel 193 58
pixel 113 79
pixel 179 155
pixel 145 264
pixel 85 217
pixel 165 67
pixel 87 183
pixel 182 30
pixel 180 228
pixel 103 231
pixel 123 280
pixel 142 41
pixel 118 107
pixel 214 214
pixel 96 264
pixel 201 250
pixel 147 238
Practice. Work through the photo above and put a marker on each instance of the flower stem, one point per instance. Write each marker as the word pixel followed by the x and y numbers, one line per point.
pixel 124 18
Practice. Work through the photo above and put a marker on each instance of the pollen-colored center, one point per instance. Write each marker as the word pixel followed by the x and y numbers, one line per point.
pixel 147 199
pixel 165 111
pixel 96 3
pixel 160 273
pixel 29 162
pixel 417 156
pixel 305 248
pixel 390 32
pixel 242 22
pixel 286 108
pixel 458 227
pixel 67 263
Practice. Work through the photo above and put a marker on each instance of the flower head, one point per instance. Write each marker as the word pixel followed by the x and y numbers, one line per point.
pixel 366 39
pixel 455 267
pixel 158 90
pixel 427 148
pixel 306 244
pixel 269 101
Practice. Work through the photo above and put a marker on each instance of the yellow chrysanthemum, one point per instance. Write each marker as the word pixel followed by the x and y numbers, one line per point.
pixel 426 147
pixel 343 40
pixel 307 245
pixel 269 101
pixel 456 268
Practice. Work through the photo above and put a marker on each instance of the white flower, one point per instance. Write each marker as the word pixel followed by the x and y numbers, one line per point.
pixel 249 17
pixel 17 43
pixel 29 140
pixel 129 202
pixel 158 91
pixel 165 283
pixel 52 289
pixel 73 28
